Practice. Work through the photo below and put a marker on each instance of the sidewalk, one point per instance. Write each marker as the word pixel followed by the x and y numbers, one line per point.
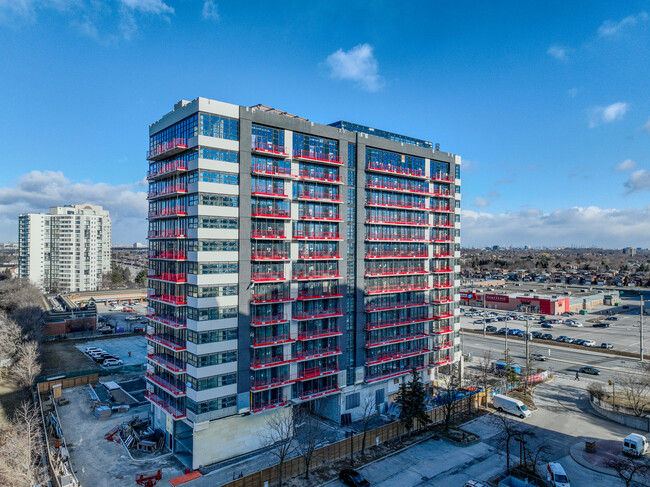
pixel 606 450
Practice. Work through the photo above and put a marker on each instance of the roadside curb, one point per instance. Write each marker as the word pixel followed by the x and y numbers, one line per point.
pixel 576 453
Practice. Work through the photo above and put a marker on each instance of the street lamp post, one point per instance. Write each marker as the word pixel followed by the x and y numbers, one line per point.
pixel 641 330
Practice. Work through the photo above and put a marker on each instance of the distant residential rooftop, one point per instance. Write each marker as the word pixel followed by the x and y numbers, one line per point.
pixel 355 127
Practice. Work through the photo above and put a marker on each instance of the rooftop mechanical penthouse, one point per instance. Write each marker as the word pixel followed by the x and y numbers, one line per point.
pixel 291 262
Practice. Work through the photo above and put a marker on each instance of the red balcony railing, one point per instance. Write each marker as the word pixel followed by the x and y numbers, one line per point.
pixel 268 191
pixel 442 300
pixel 318 333
pixel 172 188
pixel 319 195
pixel 447 209
pixel 318 254
pixel 443 224
pixel 395 204
pixel 442 238
pixel 408 188
pixel 269 255
pixel 271 382
pixel 389 168
pixel 395 355
pixel 421 222
pixel 396 305
pixel 442 361
pixel 267 233
pixel 167 168
pixel 168 298
pixel 442 177
pixel 396 271
pixel 403 254
pixel 271 297
pixel 175 344
pixel 175 366
pixel 172 233
pixel 168 320
pixel 442 284
pixel 258 407
pixel 175 413
pixel 320 176
pixel 395 288
pixel 167 148
pixel 170 277
pixel 313 354
pixel 176 390
pixel 320 215
pixel 316 313
pixel 271 212
pixel 440 331
pixel 314 372
pixel 268 319
pixel 406 320
pixel 308 235
pixel 320 294
pixel 268 148
pixel 442 269
pixel 263 362
pixel 168 254
pixel 380 237
pixel 316 274
pixel 442 255
pixel 266 341
pixel 318 392
pixel 444 315
pixel 316 156
pixel 388 340
pixel 441 192
pixel 443 345
pixel 267 276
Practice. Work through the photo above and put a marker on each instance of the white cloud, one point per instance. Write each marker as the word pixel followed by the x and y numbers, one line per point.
pixel 358 65
pixel 211 10
pixel 481 202
pixel 638 181
pixel 626 165
pixel 647 126
pixel 611 28
pixel 608 114
pixel 156 7
pixel 37 191
pixel 558 52
pixel 580 226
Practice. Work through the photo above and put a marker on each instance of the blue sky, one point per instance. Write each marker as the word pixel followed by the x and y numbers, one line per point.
pixel 548 104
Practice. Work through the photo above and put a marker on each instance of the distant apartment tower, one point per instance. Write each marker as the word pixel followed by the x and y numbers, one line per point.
pixel 67 250
pixel 291 263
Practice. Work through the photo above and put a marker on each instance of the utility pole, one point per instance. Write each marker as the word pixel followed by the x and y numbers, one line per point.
pixel 484 317
pixel 505 356
pixel 641 330
pixel 527 350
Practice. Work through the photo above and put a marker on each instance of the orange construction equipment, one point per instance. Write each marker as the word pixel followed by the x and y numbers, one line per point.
pixel 148 479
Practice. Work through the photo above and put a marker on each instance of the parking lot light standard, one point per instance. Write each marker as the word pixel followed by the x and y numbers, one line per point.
pixel 641 329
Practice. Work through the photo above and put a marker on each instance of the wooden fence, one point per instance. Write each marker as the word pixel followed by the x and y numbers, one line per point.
pixel 341 449
pixel 68 382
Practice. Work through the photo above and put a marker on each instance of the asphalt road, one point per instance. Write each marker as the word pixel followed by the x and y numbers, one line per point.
pixel 562 361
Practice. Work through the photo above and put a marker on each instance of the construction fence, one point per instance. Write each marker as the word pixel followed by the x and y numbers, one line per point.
pixel 341 449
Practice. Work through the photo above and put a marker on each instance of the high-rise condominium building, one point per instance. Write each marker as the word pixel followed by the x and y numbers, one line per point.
pixel 291 263
pixel 66 250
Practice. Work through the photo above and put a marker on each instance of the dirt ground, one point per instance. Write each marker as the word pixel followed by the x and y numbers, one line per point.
pixel 61 356
pixel 10 398
pixel 97 461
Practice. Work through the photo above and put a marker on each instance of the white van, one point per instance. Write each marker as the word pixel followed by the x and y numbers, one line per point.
pixel 635 445
pixel 510 405
pixel 556 475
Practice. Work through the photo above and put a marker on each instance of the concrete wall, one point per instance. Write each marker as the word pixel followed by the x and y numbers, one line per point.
pixel 641 424
pixel 219 440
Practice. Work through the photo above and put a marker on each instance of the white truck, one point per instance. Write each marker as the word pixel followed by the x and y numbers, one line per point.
pixel 510 405
pixel 635 445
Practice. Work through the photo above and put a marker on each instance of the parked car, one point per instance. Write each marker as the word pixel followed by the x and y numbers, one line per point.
pixel 589 343
pixel 352 478
pixel 474 483
pixel 635 445
pixel 502 331
pixel 589 370
pixel 547 336
pixel 556 476
pixel 547 325
pixel 612 318
pixel 491 329
pixel 579 341
pixel 537 334
pixel 111 362
pixel 569 340
pixel 92 349
pixel 132 318
pixel 601 325
pixel 490 320
pixel 606 345
pixel 566 313
pixel 513 331
pixel 478 322
pixel 538 356
pixel 128 310
pixel 561 338
pixel 575 324
pixel 501 318
pixel 510 405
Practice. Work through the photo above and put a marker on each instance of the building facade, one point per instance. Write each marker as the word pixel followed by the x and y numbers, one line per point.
pixel 67 250
pixel 291 263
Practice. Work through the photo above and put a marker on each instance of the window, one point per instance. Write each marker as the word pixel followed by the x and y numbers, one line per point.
pixel 457 171
pixel 213 405
pixel 211 291
pixel 213 336
pixel 212 268
pixel 184 129
pixel 212 245
pixel 211 359
pixel 218 155
pixel 211 222
pixel 213 200
pixel 266 136
pixel 457 189
pixel 211 382
pixel 379 397
pixel 352 401
pixel 204 314
pixel 217 126
pixel 213 177
pixel 314 146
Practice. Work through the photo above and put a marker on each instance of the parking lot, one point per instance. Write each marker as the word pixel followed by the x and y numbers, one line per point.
pixel 118 318
pixel 623 332
pixel 121 347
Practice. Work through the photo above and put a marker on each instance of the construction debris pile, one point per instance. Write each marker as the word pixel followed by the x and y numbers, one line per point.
pixel 59 456
pixel 138 435
pixel 109 398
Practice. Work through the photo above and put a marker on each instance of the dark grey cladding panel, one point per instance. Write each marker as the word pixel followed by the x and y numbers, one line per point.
pixel 361 263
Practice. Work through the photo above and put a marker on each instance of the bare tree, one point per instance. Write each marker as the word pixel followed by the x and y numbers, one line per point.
pixel 27 365
pixel 369 409
pixel 627 469
pixel 279 435
pixel 635 390
pixel 309 434
pixel 597 390
pixel 484 373
pixel 10 337
pixel 509 430
pixel 20 449
pixel 448 396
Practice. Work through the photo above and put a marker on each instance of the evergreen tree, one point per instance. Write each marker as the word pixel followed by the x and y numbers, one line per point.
pixel 411 397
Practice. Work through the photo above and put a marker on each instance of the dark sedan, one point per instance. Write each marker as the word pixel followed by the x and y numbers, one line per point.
pixel 590 370
pixel 547 336
pixel 352 478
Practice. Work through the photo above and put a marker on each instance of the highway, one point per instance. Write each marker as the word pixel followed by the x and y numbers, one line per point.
pixel 562 361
